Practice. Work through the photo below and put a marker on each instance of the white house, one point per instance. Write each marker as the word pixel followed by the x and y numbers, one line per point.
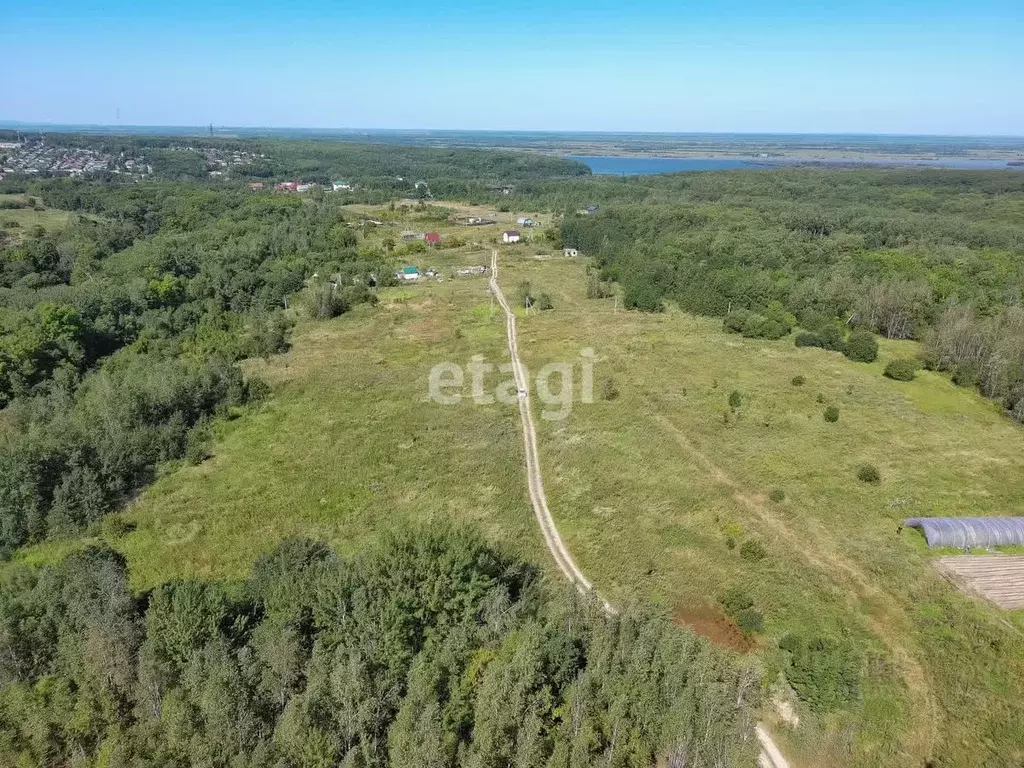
pixel 570 252
pixel 511 236
pixel 409 273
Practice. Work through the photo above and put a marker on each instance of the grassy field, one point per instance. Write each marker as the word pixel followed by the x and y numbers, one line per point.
pixel 655 491
pixel 15 221
pixel 650 487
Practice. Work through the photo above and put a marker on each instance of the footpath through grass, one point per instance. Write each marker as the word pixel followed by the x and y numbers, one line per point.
pixel 348 445
pixel 660 489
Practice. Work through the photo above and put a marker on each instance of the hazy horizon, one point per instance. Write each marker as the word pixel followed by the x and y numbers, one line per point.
pixel 6 124
pixel 755 66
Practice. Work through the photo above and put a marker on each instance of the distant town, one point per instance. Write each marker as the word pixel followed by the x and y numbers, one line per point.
pixel 42 156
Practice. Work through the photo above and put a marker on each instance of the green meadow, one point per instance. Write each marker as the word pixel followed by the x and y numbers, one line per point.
pixel 14 220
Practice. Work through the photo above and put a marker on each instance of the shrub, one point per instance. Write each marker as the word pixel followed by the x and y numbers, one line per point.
pixel 868 473
pixel 753 550
pixel 609 391
pixel 734 600
pixel 197 445
pixel 641 294
pixel 777 495
pixel 257 389
pixel 901 370
pixel 775 323
pixel 805 339
pixel 824 672
pixel 798 381
pixel 832 414
pixel 733 322
pixel 740 607
pixel 525 292
pixel 544 302
pixel 967 374
pixel 828 337
pixel 596 289
pixel 735 400
pixel 820 397
pixel 750 621
pixel 325 302
pixel 862 347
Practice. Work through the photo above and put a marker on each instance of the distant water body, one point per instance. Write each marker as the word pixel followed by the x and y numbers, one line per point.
pixel 613 165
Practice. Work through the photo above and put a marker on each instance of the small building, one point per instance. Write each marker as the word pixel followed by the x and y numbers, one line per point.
pixel 304 187
pixel 570 252
pixel 341 186
pixel 510 236
pixel 255 186
pixel 524 221
pixel 287 186
pixel 409 273
pixel 432 238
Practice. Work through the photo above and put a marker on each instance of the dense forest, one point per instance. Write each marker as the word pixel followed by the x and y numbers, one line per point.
pixel 119 334
pixel 931 255
pixel 427 650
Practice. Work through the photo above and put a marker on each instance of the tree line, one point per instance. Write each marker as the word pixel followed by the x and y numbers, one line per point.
pixel 428 649
pixel 931 255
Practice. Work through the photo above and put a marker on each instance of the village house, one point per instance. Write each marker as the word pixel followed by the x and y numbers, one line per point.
pixel 255 186
pixel 341 186
pixel 510 236
pixel 408 273
pixel 287 186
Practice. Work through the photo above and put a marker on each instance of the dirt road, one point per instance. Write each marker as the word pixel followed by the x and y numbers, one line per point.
pixel 770 756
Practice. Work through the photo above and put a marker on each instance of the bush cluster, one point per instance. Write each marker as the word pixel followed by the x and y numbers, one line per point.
pixel 868 473
pixel 774 323
pixel 825 673
pixel 753 550
pixel 862 347
pixel 901 370
pixel 739 606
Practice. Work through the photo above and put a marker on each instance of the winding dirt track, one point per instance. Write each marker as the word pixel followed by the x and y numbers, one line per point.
pixel 770 756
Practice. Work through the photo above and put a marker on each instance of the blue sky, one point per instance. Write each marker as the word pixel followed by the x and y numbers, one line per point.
pixel 918 66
